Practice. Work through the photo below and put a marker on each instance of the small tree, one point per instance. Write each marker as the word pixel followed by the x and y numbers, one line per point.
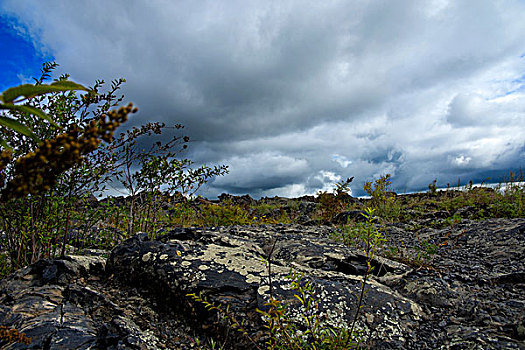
pixel 343 186
pixel 145 171
pixel 39 179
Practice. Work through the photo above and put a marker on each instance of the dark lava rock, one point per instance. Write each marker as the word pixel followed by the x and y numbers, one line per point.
pixel 473 297
pixel 68 303
pixel 245 200
pixel 225 264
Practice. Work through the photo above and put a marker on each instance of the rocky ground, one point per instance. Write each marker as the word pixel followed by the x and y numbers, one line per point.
pixel 470 294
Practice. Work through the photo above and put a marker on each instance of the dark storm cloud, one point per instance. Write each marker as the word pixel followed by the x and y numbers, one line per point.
pixel 296 95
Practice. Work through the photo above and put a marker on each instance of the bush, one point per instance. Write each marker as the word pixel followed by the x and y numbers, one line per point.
pixel 41 180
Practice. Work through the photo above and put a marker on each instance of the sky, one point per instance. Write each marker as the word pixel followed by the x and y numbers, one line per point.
pixel 295 96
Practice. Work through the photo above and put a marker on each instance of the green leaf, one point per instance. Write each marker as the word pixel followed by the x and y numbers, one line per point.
pixel 299 298
pixel 4 144
pixel 29 90
pixel 31 110
pixel 68 84
pixel 18 127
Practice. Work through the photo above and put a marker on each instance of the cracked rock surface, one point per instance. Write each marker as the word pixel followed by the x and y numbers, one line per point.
pixel 472 296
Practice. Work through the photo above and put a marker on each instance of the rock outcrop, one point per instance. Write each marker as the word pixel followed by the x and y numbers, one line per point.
pixel 471 297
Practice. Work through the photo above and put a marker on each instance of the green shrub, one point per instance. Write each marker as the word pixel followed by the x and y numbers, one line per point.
pixel 263 214
pixel 182 214
pixel 512 201
pixel 383 199
pixel 225 214
pixel 329 205
pixel 432 188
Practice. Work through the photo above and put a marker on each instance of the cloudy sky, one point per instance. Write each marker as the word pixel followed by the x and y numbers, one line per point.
pixel 297 95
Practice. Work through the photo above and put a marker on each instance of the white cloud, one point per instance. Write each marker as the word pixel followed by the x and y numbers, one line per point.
pixel 262 172
pixel 341 160
pixel 328 179
pixel 462 160
pixel 285 90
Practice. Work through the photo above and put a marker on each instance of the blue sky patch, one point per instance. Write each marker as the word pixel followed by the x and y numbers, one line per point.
pixel 18 57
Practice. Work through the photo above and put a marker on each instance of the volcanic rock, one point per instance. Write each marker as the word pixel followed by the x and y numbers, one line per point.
pixel 470 296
